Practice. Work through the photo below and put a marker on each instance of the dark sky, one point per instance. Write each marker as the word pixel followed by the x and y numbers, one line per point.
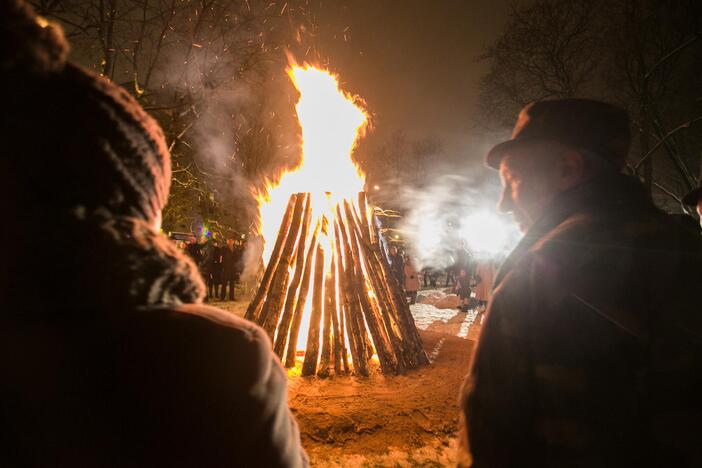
pixel 413 61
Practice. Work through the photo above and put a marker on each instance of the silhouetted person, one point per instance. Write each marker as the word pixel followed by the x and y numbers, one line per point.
pixel 212 269
pixel 194 250
pixel 231 269
pixel 114 361
pixel 591 351
pixel 411 280
pixel 397 265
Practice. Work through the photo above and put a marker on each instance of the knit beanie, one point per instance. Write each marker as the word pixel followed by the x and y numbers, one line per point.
pixel 72 140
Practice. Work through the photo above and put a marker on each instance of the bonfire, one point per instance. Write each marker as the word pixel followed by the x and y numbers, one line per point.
pixel 327 296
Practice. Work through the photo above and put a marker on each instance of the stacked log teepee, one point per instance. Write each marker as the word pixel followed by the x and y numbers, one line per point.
pixel 357 309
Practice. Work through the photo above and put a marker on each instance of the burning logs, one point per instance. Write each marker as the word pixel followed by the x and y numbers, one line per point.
pixel 356 306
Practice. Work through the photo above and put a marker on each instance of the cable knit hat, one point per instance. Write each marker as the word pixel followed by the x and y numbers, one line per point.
pixel 71 139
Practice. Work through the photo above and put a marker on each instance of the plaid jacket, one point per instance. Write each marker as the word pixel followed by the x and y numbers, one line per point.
pixel 591 352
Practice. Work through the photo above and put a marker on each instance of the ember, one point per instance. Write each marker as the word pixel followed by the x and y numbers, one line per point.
pixel 327 288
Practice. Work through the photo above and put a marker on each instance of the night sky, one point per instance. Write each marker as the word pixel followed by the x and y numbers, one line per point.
pixel 414 62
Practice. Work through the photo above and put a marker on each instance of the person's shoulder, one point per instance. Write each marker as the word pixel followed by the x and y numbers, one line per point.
pixel 218 335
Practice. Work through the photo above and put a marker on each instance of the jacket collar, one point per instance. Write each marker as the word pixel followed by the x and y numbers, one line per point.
pixel 603 193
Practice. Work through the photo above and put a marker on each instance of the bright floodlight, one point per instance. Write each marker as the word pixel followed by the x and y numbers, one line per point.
pixel 484 232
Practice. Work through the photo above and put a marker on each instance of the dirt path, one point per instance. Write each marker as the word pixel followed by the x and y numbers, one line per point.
pixel 408 420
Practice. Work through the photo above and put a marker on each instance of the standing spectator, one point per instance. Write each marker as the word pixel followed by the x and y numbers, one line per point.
pixel 450 276
pixel 115 361
pixel 484 277
pixel 429 277
pixel 411 280
pixel 231 268
pixel 212 269
pixel 463 289
pixel 591 351
pixel 194 250
pixel 397 265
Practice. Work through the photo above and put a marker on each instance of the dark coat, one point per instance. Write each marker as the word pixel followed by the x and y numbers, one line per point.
pixel 231 262
pixel 212 262
pixel 107 367
pixel 591 352
pixel 195 252
pixel 397 266
pixel 169 386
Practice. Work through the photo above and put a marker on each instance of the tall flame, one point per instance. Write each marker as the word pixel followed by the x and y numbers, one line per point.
pixel 331 122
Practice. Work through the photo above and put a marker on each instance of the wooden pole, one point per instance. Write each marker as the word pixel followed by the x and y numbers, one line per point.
pixel 355 315
pixel 381 306
pixel 350 321
pixel 412 343
pixel 254 308
pixel 326 357
pixel 375 326
pixel 273 306
pixel 340 330
pixel 309 365
pixel 290 301
pixel 364 222
pixel 301 300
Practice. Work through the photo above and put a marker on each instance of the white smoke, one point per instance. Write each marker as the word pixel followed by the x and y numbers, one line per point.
pixel 457 213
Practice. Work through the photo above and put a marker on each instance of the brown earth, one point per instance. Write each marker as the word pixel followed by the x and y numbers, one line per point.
pixel 406 420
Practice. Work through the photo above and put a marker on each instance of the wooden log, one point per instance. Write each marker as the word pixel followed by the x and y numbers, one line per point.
pixel 273 305
pixel 412 352
pixel 326 358
pixel 412 343
pixel 340 335
pixel 309 365
pixel 301 300
pixel 377 330
pixel 355 316
pixel 364 222
pixel 290 301
pixel 334 315
pixel 354 338
pixel 254 309
pixel 382 306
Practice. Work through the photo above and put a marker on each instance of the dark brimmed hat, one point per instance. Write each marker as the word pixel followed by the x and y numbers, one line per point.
pixel 594 126
pixel 693 197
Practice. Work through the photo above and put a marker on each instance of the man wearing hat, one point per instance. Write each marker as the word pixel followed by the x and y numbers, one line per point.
pixel 114 361
pixel 591 351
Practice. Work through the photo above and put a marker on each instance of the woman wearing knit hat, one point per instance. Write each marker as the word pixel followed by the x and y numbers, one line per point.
pixel 108 356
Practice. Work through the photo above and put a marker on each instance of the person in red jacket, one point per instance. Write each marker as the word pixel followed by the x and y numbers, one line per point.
pixel 114 361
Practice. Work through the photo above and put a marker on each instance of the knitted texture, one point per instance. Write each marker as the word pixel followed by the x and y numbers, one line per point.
pixel 75 137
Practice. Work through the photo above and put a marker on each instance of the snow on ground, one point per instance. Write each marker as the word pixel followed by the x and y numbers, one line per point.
pixel 437 310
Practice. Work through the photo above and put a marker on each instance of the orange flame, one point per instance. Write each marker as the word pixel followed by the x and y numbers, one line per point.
pixel 331 121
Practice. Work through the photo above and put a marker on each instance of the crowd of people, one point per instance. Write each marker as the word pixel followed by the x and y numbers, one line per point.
pixel 473 284
pixel 590 353
pixel 220 265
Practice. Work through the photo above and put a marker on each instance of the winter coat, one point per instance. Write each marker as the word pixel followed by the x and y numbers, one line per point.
pixel 397 266
pixel 591 351
pixel 411 279
pixel 463 286
pixel 212 264
pixel 231 262
pixel 195 252
pixel 485 274
pixel 116 363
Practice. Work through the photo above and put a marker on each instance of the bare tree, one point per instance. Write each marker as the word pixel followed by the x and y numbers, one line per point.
pixel 643 54
pixel 203 68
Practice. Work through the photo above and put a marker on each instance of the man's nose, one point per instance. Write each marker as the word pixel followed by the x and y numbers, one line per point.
pixel 505 203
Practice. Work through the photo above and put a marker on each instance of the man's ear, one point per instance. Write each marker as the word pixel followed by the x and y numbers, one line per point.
pixel 571 169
